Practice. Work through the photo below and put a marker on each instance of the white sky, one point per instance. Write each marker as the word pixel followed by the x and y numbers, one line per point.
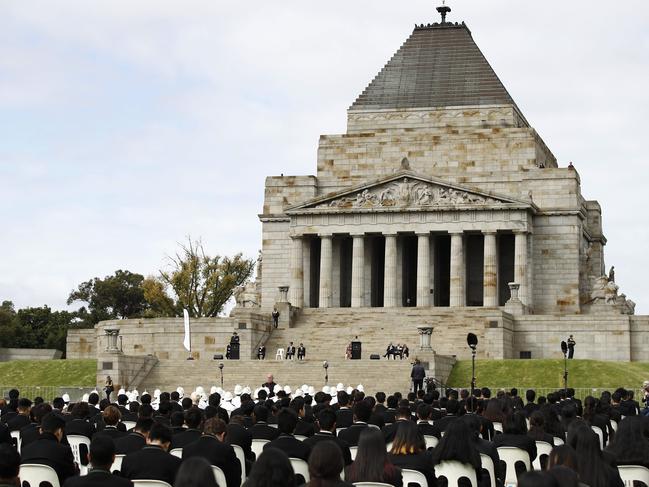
pixel 126 125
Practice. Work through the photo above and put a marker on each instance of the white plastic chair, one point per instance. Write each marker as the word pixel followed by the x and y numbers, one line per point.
pixel 241 456
pixel 279 355
pixel 34 474
pixel 150 483
pixel 129 425
pixel 176 452
pixel 338 430
pixel 542 448
pixel 300 467
pixel 299 437
pixel 600 433
pixel 498 427
pixel 388 446
pixel 414 477
pixel 614 425
pixel 15 436
pixel 488 465
pixel 431 441
pixel 75 442
pixel 510 455
pixel 354 451
pixel 454 471
pixel 629 473
pixel 258 446
pixel 219 476
pixel 558 441
pixel 371 484
pixel 117 463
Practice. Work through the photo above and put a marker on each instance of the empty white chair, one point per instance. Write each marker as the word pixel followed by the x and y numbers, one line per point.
pixel 258 446
pixel 34 474
pixel 413 476
pixel 219 476
pixel 488 465
pixel 510 455
pixel 300 467
pixel 129 425
pixel 600 433
pixel 176 452
pixel 75 442
pixel 241 456
pixel 454 471
pixel 117 463
pixel 431 441
pixel 279 355
pixel 542 448
pixel 15 436
pixel 557 441
pixel 629 473
pixel 150 483
pixel 371 484
pixel 354 451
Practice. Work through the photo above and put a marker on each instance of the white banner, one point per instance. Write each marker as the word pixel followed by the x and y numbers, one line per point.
pixel 187 341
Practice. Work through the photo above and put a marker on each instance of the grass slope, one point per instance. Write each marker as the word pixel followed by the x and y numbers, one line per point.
pixel 48 373
pixel 549 374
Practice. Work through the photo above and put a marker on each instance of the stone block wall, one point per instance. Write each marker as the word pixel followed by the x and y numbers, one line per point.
pixel 639 338
pixel 7 354
pixel 81 344
pixel 276 247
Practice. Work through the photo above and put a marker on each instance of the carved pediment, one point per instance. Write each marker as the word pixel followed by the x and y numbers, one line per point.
pixel 406 191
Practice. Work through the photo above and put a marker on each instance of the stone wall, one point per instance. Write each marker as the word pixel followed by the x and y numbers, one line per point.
pixel 639 338
pixel 81 344
pixel 7 354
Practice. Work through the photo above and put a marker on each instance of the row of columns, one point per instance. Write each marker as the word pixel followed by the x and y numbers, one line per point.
pixel 390 295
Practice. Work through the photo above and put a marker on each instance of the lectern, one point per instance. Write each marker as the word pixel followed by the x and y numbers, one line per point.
pixel 356 350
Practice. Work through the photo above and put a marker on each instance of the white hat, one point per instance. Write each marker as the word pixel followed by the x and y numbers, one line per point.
pixel 180 391
pixel 236 401
pixel 200 390
pixel 228 396
pixel 135 393
pixel 305 388
pixel 277 388
pixel 247 390
pixel 213 389
pixel 340 387
pixel 287 389
pixel 311 391
pixel 360 388
pixel 349 389
pixel 238 390
pixel 85 397
pixel 325 389
pixel 66 398
pixel 156 393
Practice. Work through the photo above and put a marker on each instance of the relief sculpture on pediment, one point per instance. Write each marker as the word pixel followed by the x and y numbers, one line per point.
pixel 407 193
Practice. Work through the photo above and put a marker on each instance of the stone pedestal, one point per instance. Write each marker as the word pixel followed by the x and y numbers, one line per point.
pixel 425 333
pixel 514 305
pixel 112 340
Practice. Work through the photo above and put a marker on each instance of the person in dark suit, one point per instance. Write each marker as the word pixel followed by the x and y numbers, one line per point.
pixel 211 446
pixel 418 374
pixel 5 436
pixel 102 456
pixel 409 451
pixel 9 465
pixel 112 417
pixel 362 413
pixel 79 424
pixel 452 412
pixel 153 461
pixel 260 430
pixel 304 426
pixel 483 446
pixel 136 439
pixel 515 434
pixel 344 414
pixel 390 351
pixel 389 414
pixel 22 418
pixel 31 432
pixel 48 450
pixel 290 351
pixel 237 434
pixel 193 420
pixel 327 432
pixel 301 352
pixel 531 406
pixel 215 401
pixel 234 338
pixel 390 430
pixel 261 352
pixel 326 465
pixel 423 422
pixel 275 316
pixel 294 448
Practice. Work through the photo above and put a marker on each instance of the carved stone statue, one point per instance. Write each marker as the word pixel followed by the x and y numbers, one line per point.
pixel 611 274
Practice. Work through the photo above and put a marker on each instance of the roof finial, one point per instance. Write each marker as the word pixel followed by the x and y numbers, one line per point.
pixel 443 10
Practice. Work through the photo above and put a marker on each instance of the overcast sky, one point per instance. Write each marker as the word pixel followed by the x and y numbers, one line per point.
pixel 126 125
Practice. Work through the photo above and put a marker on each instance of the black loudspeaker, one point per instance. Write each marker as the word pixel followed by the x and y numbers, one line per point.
pixel 375 356
pixel 356 350
pixel 234 351
pixel 218 356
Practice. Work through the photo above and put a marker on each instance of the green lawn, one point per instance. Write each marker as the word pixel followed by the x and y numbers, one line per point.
pixel 48 373
pixel 549 374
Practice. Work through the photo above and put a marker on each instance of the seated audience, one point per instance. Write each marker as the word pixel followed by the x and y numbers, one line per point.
pixel 112 417
pixel 261 430
pixel 515 434
pixel 136 439
pixel 484 447
pixel 402 415
pixel 9 465
pixel 630 445
pixel 456 445
pixel 294 448
pixel 272 469
pixel 195 472
pixel 153 461
pixel 537 479
pixel 423 423
pixel 594 416
pixel 326 465
pixel 21 419
pixel 101 456
pixel 193 420
pixel 409 451
pixel 362 413
pixel 327 432
pixel 80 424
pixel 372 463
pixel 565 476
pixel 591 467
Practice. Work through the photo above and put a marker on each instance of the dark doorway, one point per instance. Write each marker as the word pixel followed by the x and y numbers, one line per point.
pixel 346 244
pixel 505 266
pixel 442 277
pixel 474 270
pixel 409 270
pixel 314 284
pixel 377 244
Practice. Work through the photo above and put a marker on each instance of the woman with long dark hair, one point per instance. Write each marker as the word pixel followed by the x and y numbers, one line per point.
pixel 456 445
pixel 515 435
pixel 409 451
pixel 630 445
pixel 594 417
pixel 372 463
pixel 552 424
pixel 272 469
pixel 537 428
pixel 591 467
pixel 195 471
pixel 325 465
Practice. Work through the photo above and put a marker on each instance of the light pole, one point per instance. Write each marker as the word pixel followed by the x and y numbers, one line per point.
pixel 564 350
pixel 221 369
pixel 472 341
pixel 325 366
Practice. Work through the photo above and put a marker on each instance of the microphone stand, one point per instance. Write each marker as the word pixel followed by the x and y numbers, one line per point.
pixel 565 374
pixel 221 369
pixel 473 353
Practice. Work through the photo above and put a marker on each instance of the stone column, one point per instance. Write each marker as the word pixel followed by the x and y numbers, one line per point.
pixel 390 274
pixel 490 279
pixel 358 271
pixel 458 294
pixel 296 289
pixel 520 265
pixel 423 270
pixel 325 271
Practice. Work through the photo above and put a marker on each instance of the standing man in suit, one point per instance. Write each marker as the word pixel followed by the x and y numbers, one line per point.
pixel 102 456
pixel 211 446
pixel 418 374
pixel 153 461
pixel 571 346
pixel 275 316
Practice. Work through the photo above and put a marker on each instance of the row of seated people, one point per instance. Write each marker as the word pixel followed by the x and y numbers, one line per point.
pixel 467 420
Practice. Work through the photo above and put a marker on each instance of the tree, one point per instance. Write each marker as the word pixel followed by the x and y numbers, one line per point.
pixel 200 283
pixel 8 324
pixel 113 297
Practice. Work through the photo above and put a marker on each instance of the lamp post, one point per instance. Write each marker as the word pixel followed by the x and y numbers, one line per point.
pixel 325 366
pixel 221 369
pixel 564 350
pixel 472 341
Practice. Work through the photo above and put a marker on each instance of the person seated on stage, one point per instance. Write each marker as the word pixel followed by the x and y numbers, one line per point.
pixel 301 352
pixel 405 352
pixel 234 338
pixel 389 351
pixel 228 352
pixel 290 351
pixel 261 353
